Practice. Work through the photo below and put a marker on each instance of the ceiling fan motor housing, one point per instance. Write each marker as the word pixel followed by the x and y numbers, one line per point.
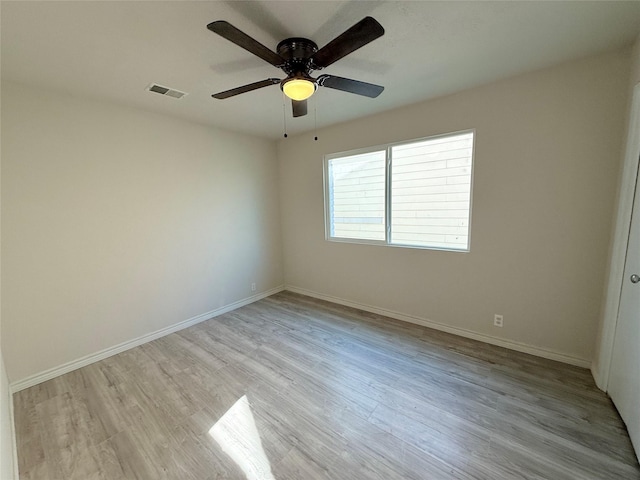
pixel 296 53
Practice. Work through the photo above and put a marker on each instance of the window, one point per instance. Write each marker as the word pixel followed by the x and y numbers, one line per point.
pixel 413 194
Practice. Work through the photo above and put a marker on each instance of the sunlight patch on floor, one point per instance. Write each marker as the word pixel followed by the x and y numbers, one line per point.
pixel 238 436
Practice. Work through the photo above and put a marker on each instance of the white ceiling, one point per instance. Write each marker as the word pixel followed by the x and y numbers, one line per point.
pixel 114 50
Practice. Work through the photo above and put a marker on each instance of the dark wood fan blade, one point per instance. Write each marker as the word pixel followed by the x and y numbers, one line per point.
pixel 231 33
pixel 246 88
pixel 363 32
pixel 351 86
pixel 299 108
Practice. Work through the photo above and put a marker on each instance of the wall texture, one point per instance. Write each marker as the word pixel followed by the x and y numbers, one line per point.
pixel 548 149
pixel 117 223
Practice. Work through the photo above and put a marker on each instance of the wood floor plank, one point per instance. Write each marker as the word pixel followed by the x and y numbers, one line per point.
pixel 292 387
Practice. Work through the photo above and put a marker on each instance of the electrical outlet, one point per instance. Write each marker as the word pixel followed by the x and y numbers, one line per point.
pixel 497 320
pixel 253 287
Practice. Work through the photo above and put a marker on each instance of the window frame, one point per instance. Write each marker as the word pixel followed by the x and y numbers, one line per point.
pixel 388 171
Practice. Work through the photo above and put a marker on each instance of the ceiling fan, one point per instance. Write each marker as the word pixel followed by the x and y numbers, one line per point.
pixel 298 57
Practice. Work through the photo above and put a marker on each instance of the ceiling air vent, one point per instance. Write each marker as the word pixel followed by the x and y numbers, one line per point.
pixel 169 92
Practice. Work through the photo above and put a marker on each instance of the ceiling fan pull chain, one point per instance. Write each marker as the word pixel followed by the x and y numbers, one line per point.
pixel 284 117
pixel 315 119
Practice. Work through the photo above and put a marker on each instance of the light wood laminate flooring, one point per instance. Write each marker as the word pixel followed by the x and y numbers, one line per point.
pixel 296 388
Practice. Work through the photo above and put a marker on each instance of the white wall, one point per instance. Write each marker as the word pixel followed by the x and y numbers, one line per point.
pixel 7 439
pixel 548 147
pixel 117 223
pixel 635 63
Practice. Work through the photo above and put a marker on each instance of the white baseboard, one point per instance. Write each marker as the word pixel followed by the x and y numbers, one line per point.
pixel 108 352
pixel 501 342
pixel 596 376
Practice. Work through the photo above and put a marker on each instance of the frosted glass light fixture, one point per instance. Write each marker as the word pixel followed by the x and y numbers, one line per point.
pixel 298 88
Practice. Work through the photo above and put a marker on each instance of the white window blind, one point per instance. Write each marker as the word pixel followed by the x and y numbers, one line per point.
pixel 414 194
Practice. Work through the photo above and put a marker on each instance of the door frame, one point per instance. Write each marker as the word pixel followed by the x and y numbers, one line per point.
pixel 601 365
